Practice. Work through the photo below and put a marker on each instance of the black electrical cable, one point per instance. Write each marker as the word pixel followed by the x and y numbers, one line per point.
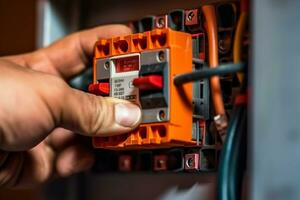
pixel 238 162
pixel 226 157
pixel 233 156
pixel 207 73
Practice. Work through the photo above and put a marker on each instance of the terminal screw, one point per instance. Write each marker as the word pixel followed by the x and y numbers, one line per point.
pixel 161 56
pixel 190 16
pixel 162 115
pixel 160 22
pixel 106 65
pixel 125 163
pixel 160 163
pixel 192 162
pixel 221 124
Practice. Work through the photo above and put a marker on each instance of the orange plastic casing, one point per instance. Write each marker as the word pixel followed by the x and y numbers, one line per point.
pixel 178 130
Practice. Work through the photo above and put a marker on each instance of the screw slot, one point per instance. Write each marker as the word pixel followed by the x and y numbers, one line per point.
pixel 161 56
pixel 190 162
pixel 160 22
pixel 161 115
pixel 106 65
pixel 190 16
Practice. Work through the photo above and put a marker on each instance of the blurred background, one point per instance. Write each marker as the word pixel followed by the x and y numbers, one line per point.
pixel 18 26
pixel 18 32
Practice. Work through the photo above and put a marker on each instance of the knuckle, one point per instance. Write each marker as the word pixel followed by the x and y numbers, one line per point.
pixel 55 96
pixel 56 87
pixel 42 169
pixel 99 107
pixel 9 140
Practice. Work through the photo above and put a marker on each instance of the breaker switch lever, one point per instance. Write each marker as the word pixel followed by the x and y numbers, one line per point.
pixel 99 89
pixel 150 82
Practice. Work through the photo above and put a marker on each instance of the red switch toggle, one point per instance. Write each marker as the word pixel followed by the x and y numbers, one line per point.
pixel 151 82
pixel 99 89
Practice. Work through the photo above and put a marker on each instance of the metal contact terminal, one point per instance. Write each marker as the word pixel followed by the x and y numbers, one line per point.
pixel 221 123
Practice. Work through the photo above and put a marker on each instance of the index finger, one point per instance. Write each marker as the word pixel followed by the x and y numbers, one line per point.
pixel 69 56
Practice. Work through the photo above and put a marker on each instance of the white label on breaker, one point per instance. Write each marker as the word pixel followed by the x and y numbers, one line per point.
pixel 122 88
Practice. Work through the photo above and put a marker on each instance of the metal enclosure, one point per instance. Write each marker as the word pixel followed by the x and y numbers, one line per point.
pixel 275 106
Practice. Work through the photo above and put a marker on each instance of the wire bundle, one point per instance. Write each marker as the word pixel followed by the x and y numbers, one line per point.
pixel 233 156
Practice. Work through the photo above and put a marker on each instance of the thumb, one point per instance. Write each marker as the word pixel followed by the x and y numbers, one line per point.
pixel 98 116
pixel 25 120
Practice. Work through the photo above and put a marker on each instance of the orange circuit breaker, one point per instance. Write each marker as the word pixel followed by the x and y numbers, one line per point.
pixel 140 68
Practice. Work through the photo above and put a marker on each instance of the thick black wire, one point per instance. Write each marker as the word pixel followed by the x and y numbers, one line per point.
pixel 207 73
pixel 226 160
pixel 233 156
pixel 238 162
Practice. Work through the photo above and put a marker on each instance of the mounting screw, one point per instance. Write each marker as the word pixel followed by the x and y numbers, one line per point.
pixel 161 56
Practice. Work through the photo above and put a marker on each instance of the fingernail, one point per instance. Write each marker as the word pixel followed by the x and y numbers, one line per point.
pixel 127 114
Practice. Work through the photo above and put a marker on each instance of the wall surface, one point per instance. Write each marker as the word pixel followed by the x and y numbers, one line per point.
pixel 275 112
pixel 17 26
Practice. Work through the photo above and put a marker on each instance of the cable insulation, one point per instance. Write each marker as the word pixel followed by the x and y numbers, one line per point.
pixel 207 73
pixel 232 159
pixel 211 23
pixel 238 38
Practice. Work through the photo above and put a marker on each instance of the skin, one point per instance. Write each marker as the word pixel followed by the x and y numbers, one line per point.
pixel 39 112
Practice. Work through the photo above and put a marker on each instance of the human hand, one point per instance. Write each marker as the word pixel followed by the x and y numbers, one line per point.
pixel 39 112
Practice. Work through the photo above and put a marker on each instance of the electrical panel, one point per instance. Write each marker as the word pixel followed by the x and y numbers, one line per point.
pixel 182 126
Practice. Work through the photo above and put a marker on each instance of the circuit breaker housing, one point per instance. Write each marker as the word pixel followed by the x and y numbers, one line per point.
pixel 140 68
